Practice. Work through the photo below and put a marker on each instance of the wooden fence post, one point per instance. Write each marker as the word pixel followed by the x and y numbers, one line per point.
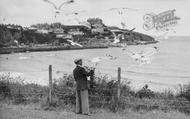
pixel 118 83
pixel 50 85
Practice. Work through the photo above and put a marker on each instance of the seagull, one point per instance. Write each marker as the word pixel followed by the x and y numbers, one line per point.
pixel 145 56
pixel 123 24
pixel 76 13
pixel 116 38
pixel 96 60
pixel 74 43
pixel 58 9
pixel 123 8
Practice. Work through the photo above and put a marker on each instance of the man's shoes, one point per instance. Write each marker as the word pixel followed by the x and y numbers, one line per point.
pixel 87 114
pixel 78 112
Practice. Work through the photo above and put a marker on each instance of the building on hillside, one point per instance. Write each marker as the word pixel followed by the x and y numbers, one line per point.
pixel 75 32
pixel 77 29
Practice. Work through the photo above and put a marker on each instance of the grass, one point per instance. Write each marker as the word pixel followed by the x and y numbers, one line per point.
pixel 34 112
pixel 102 96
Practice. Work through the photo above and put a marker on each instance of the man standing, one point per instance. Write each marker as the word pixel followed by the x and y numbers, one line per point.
pixel 80 75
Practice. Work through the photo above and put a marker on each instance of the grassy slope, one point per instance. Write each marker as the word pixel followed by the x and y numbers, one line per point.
pixel 34 98
pixel 34 112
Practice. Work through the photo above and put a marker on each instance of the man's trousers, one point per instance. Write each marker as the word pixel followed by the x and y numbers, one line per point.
pixel 82 101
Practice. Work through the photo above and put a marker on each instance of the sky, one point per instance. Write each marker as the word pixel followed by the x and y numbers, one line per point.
pixel 28 12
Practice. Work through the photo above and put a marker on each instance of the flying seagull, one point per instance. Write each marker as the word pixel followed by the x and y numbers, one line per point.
pixel 76 13
pixel 58 9
pixel 74 43
pixel 121 10
pixel 144 56
pixel 96 60
pixel 116 38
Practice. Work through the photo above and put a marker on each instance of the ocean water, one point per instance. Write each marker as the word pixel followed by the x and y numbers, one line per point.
pixel 169 67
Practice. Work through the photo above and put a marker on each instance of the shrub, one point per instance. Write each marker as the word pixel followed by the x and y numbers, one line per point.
pixel 64 89
pixel 145 93
pixel 102 95
pixel 16 90
pixel 185 91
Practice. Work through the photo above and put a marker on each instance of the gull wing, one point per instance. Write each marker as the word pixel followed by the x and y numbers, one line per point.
pixel 74 43
pixel 76 12
pixel 78 44
pixel 96 59
pixel 123 8
pixel 67 2
pixel 116 40
pixel 150 51
pixel 145 60
pixel 133 55
pixel 51 3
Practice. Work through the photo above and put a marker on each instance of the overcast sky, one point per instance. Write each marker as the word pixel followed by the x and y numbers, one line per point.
pixel 27 12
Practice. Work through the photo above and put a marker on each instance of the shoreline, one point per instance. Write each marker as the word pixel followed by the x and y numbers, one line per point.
pixel 9 50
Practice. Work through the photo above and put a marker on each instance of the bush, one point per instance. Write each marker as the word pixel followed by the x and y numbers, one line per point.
pixel 64 89
pixel 102 95
pixel 185 91
pixel 16 90
pixel 145 93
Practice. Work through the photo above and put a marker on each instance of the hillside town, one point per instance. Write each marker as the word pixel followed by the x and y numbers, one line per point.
pixel 92 33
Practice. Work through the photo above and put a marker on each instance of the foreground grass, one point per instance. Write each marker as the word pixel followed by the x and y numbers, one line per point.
pixel 14 91
pixel 35 112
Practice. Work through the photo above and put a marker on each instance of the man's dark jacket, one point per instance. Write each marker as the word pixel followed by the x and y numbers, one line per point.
pixel 80 75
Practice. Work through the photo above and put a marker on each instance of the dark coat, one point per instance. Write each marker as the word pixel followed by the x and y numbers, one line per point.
pixel 80 75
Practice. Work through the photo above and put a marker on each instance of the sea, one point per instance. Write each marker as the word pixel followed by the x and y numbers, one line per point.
pixel 169 68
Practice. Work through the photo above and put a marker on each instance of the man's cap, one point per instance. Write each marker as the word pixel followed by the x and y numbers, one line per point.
pixel 77 60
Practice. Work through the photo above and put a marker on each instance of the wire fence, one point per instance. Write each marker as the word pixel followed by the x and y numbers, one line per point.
pixel 105 94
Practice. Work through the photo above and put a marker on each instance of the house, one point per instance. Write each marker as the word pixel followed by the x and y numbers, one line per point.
pixel 77 29
pixel 75 32
pixel 42 31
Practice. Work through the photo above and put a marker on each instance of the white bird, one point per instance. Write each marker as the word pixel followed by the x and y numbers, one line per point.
pixel 76 13
pixel 145 56
pixel 116 38
pixel 58 9
pixel 74 43
pixel 123 25
pixel 96 60
pixel 123 8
